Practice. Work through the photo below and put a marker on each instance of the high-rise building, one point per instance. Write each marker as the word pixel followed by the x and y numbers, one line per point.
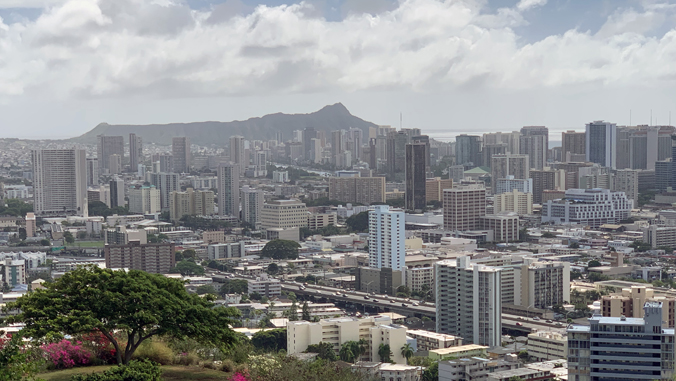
pixel 424 139
pixel 190 203
pixel 162 163
pixel 117 193
pixel 284 214
pixel 252 206
pixel 238 152
pixel 114 164
pixel 144 200
pixel 572 145
pixel 504 225
pixel 59 182
pixel 396 154
pixel 386 238
pixel 601 143
pixel 15 271
pixel 535 147
pixel 546 179
pixel 509 184
pixel 156 258
pixel 468 150
pixel 166 183
pixel 31 224
pixel 629 303
pixel 92 171
pixel 435 187
pixel 506 165
pixel 228 190
pixel 490 150
pixel 355 142
pixel 588 207
pixel 363 190
pixel 309 149
pixel 182 157
pixel 135 151
pixel 416 178
pixel 622 348
pixel 107 146
pixel 514 201
pixel 626 180
pixel 647 145
pixel 463 207
pixel 468 301
pixel 338 144
pixel 511 139
pixel 541 284
pixel 535 144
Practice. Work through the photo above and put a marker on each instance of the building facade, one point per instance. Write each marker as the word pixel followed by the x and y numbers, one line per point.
pixel 601 143
pixel 386 238
pixel 463 207
pixel 228 190
pixel 363 190
pixel 514 201
pixel 284 214
pixel 157 258
pixel 108 146
pixel 588 207
pixel 416 176
pixel 182 157
pixel 144 200
pixel 59 182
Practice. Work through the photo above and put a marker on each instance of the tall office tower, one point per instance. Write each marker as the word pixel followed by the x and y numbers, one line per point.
pixel 416 179
pixel 647 145
pixel 626 180
pixel 505 165
pixel 468 301
pixel 309 134
pixel 468 150
pixel 279 137
pixel 107 146
pixel 492 149
pixel 117 193
pixel 541 284
pixel 338 144
pixel 463 207
pixel 623 147
pixel 511 139
pixel 386 238
pixel 547 179
pixel 92 171
pixel 228 190
pixel 144 200
pixel 316 151
pixel 424 139
pixel 663 173
pixel 59 182
pixel 166 183
pixel 180 149
pixel 355 142
pixel 252 205
pixel 621 348
pixel 114 164
pixel 600 143
pixel 135 151
pixel 396 154
pixel 238 152
pixel 373 154
pixel 162 163
pixel 572 146
pixel 535 147
pixel 537 130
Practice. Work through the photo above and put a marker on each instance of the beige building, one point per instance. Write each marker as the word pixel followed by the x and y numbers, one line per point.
pixel 363 190
pixel 631 301
pixel 284 214
pixel 434 189
pixel 626 180
pixel 541 284
pixel 505 226
pixel 375 330
pixel 388 371
pixel 509 165
pixel 319 220
pixel 122 236
pixel 216 236
pixel 544 346
pixel 427 340
pixel 660 235
pixel 145 200
pixel 155 258
pixel 514 201
pixel 463 207
pixel 31 227
pixel 191 203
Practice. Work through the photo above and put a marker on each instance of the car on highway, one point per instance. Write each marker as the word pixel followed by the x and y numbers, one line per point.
pixel 519 324
pixel 549 321
pixel 536 318
pixel 393 301
pixel 404 305
pixel 367 297
pixel 376 300
pixel 415 304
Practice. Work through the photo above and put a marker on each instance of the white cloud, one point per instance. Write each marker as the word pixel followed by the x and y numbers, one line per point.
pixel 525 5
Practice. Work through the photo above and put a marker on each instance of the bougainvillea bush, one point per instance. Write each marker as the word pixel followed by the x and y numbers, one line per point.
pixel 64 354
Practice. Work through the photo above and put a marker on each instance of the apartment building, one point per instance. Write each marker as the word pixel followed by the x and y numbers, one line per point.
pixel 544 346
pixel 59 182
pixel 122 236
pixel 514 201
pixel 252 205
pixel 510 183
pixel 660 235
pixel 417 277
pixel 157 258
pixel 541 284
pixel 463 207
pixel 284 214
pixel 473 368
pixel 427 340
pixel 505 226
pixel 317 221
pixel 190 203
pixel 264 286
pixel 630 302
pixel 435 188
pixel 15 271
pixel 318 310
pixel 386 238
pixel 363 190
pixel 226 250
pixel 144 200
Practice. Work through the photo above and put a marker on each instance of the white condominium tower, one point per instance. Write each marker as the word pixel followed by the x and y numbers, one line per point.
pixel 60 182
pixel 468 301
pixel 386 238
pixel 228 190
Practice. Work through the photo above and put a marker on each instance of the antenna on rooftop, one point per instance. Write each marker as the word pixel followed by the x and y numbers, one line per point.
pixel 651 117
pixel 630 117
pixel 401 120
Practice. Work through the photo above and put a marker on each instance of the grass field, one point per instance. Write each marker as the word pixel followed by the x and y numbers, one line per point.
pixel 169 373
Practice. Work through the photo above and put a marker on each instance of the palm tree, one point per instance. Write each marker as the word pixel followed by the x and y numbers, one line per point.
pixel 363 346
pixel 384 352
pixel 346 353
pixel 407 351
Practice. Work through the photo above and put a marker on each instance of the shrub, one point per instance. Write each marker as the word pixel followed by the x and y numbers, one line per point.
pixel 102 350
pixel 136 370
pixel 189 358
pixel 65 354
pixel 156 351
pixel 228 366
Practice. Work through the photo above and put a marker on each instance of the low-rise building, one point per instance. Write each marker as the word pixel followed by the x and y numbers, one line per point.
pixel 660 236
pixel 317 221
pixel 387 371
pixel 474 368
pixel 588 207
pixel 427 340
pixel 630 302
pixel 226 250
pixel 157 258
pixel 264 286
pixel 505 226
pixel 547 346
pixel 469 350
pixel 525 374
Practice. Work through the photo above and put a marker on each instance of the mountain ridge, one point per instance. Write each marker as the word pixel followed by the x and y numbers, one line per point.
pixel 328 118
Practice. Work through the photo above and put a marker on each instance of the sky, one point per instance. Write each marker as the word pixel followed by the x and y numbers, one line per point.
pixel 447 67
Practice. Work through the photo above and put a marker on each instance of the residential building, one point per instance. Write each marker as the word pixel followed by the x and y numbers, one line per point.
pixel 510 183
pixel 238 152
pixel 468 150
pixel 546 179
pixel 59 182
pixel 252 205
pixel 108 146
pixel 473 368
pixel 622 348
pixel 489 150
pixel 284 214
pixel 505 226
pixel 190 203
pixel 626 180
pixel 228 190
pixel 463 207
pixel 573 145
pixel 514 201
pixel 144 200
pixel 162 163
pixel 264 286
pixel 541 284
pixel 156 258
pixel 182 157
pixel 601 142
pixel 225 250
pixel 388 371
pixel 630 302
pixel 434 189
pixel 15 271
pixel 308 148
pixel 647 145
pixel 117 193
pixel 544 346
pixel 213 236
pixel 120 235
pixel 317 221
pixel 533 142
pixel 417 162
pixel 135 151
pixel 525 374
pixel 419 278
pixel 468 301
pixel 427 340
pixel 588 207
pixel 165 183
pixel 31 227
pixel 511 139
pixel 660 236
pixel 459 352
pixel 92 168
pixel 363 190
pixel 386 238
pixel 509 165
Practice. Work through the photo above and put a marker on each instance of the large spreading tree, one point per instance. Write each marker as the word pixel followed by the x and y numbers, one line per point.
pixel 127 307
pixel 281 249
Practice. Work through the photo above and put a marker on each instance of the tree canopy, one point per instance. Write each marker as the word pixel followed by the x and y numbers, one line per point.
pixel 187 268
pixel 98 208
pixel 323 350
pixel 235 286
pixel 280 249
pixel 358 222
pixel 270 340
pixel 15 207
pixel 134 304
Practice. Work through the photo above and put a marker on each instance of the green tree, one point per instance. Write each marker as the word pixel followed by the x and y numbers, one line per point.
pixel 403 291
pixel 45 242
pixel 17 362
pixel 292 312
pixel 515 378
pixel 346 353
pixel 431 373
pixel 280 249
pixel 22 234
pixel 15 207
pixel 187 268
pixel 205 289
pixel 306 312
pixel 548 235
pixel 255 296
pixel 189 254
pixel 273 268
pixel 235 286
pixel 358 222
pixel 137 370
pixel 574 245
pixel 68 236
pixel 407 351
pixel 323 350
pixel 523 355
pixel 385 353
pixel 594 263
pixel 270 340
pixel 134 304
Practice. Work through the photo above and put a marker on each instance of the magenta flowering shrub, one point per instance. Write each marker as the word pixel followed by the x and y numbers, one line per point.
pixel 239 377
pixel 65 354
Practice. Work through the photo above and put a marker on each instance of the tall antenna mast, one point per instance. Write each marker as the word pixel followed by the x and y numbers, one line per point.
pixel 630 117
pixel 401 120
pixel 651 117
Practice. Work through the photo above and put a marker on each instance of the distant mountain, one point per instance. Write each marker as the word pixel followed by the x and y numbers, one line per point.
pixel 329 118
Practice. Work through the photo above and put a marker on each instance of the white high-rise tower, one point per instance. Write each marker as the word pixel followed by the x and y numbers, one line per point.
pixel 60 182
pixel 386 238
